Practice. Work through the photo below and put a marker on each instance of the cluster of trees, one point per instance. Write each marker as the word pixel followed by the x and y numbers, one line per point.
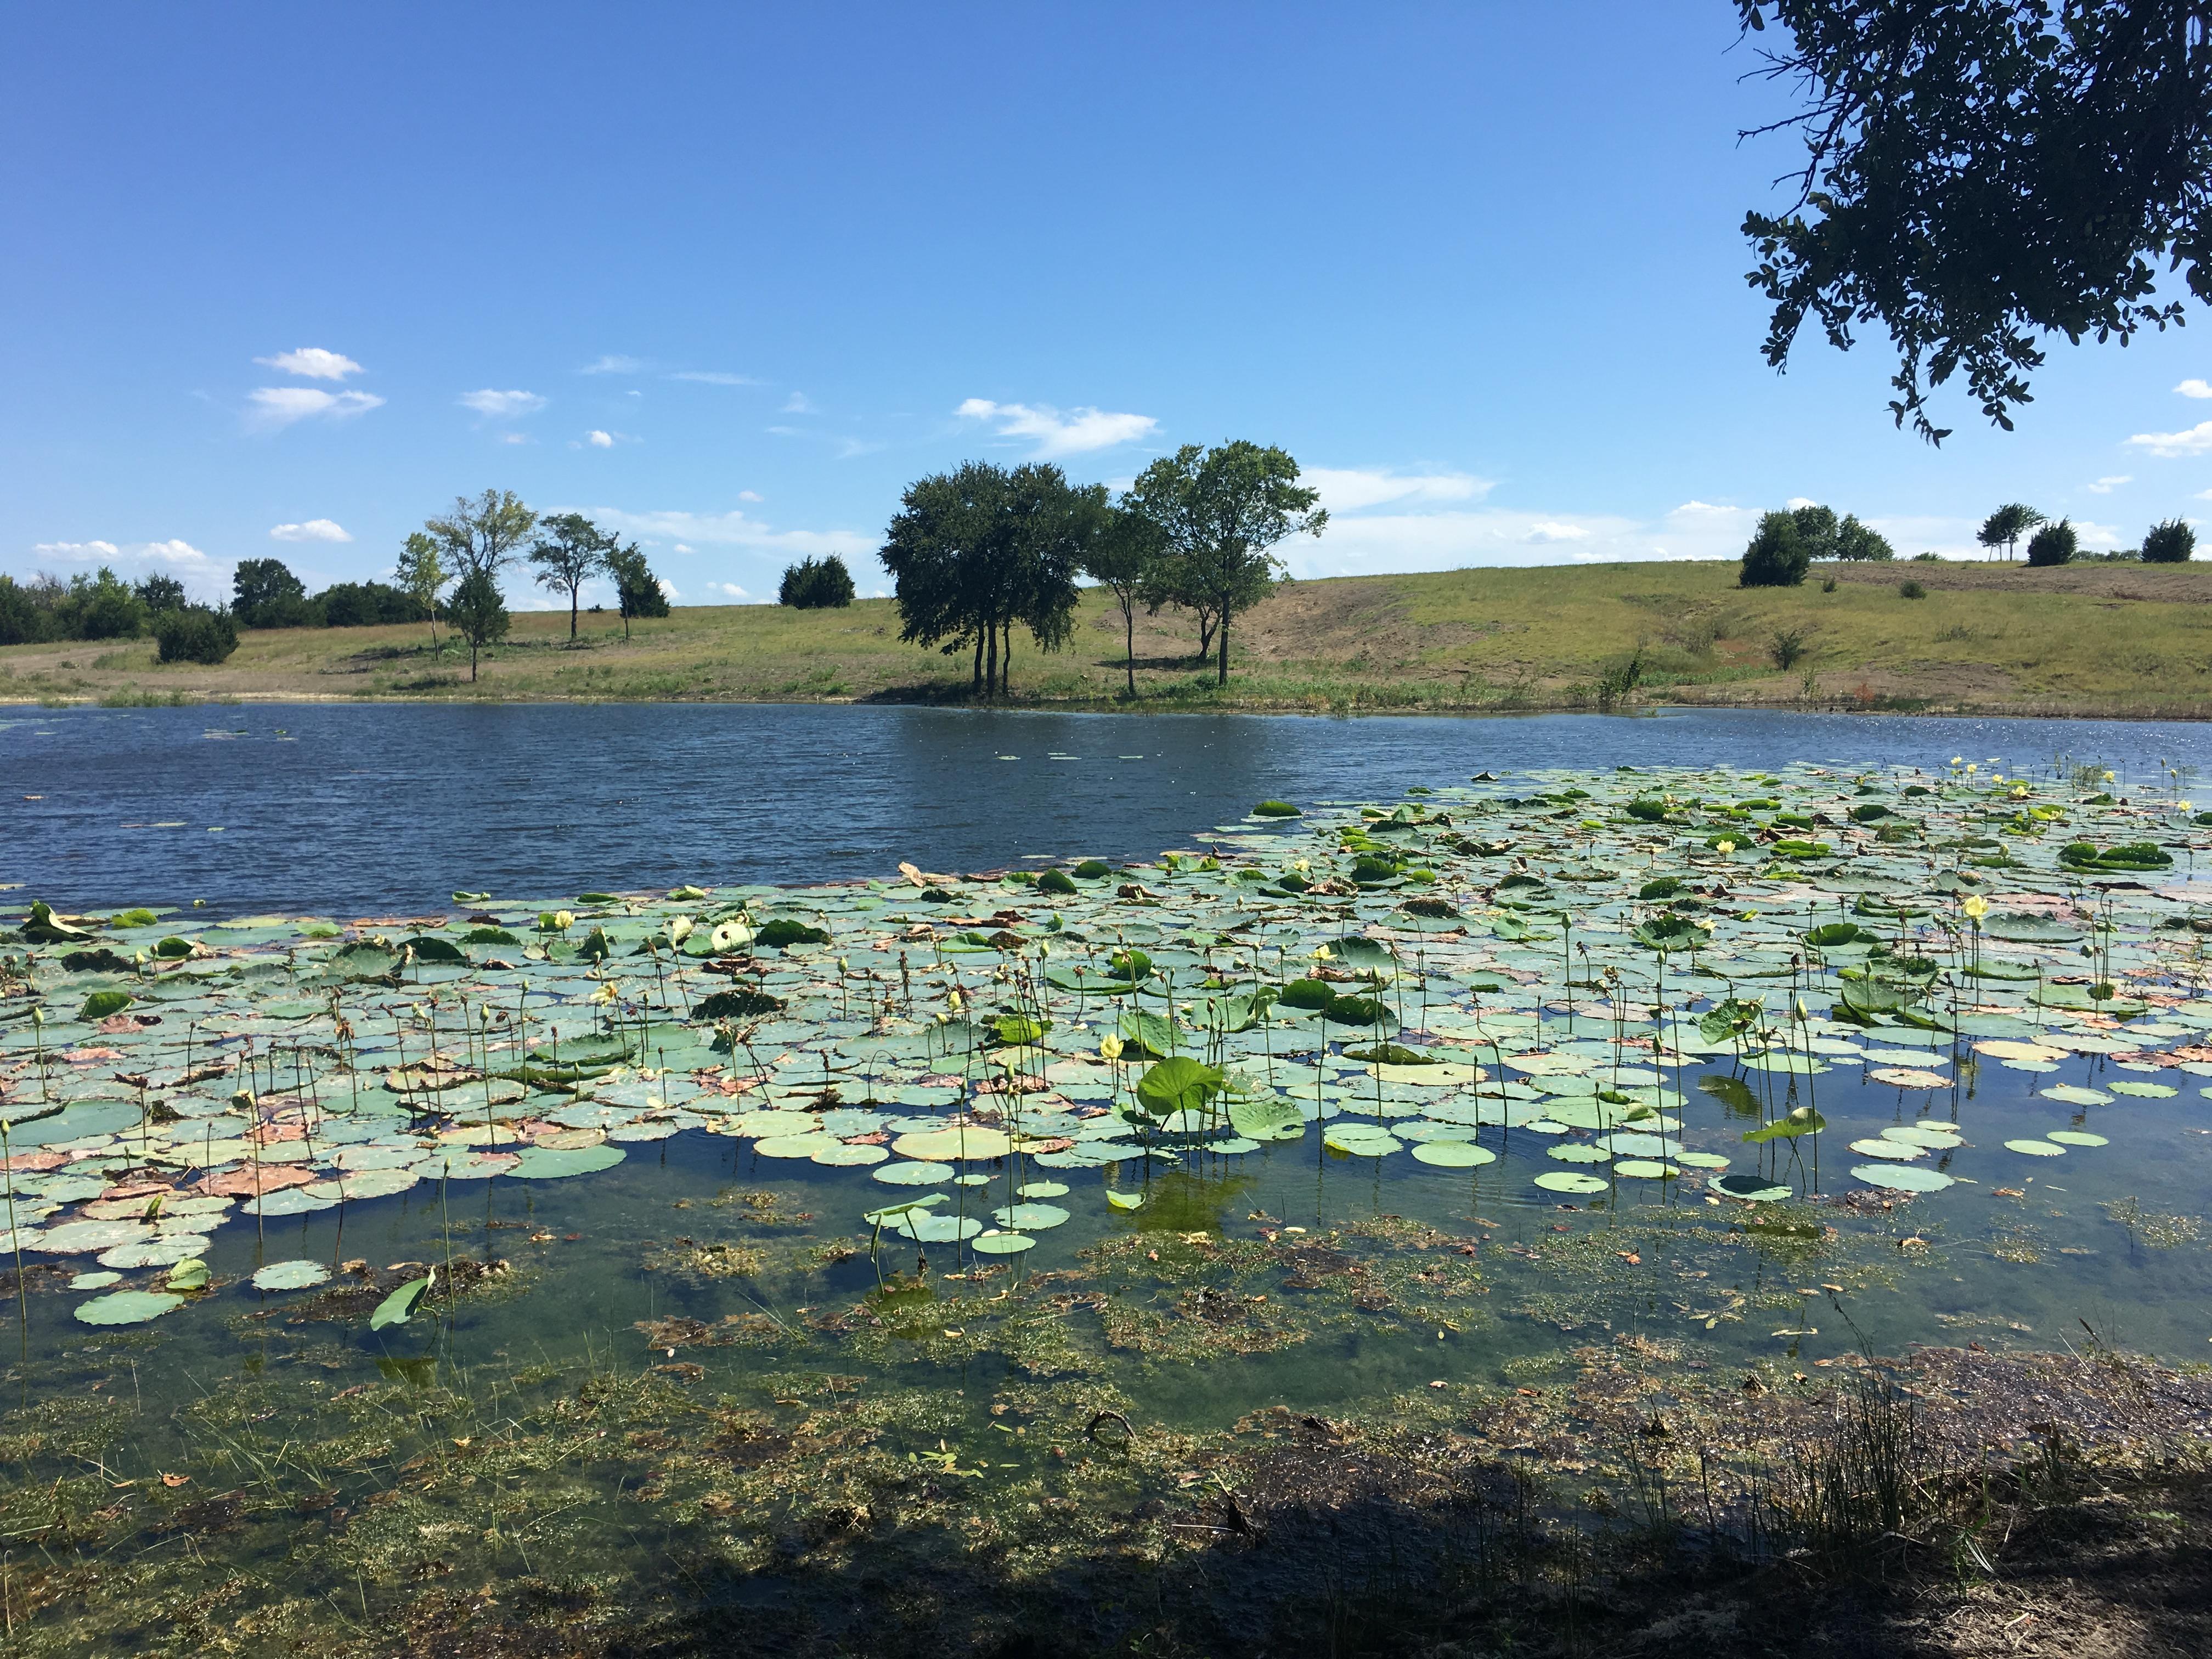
pixel 103 606
pixel 981 551
pixel 2171 541
pixel 812 585
pixel 1786 543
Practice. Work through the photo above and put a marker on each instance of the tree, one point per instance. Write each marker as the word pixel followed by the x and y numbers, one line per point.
pixel 2004 527
pixel 363 604
pixel 25 619
pixel 1774 558
pixel 2054 543
pixel 1218 512
pixel 637 590
pixel 477 611
pixel 2172 542
pixel 159 593
pixel 484 534
pixel 99 607
pixel 573 550
pixel 265 593
pixel 1124 558
pixel 195 633
pixel 1861 542
pixel 976 552
pixel 1816 531
pixel 421 576
pixel 812 585
pixel 1982 172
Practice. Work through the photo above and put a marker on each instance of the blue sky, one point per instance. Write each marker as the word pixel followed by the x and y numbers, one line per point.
pixel 285 280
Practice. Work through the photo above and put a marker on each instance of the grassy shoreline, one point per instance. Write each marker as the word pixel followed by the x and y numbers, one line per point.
pixel 2126 641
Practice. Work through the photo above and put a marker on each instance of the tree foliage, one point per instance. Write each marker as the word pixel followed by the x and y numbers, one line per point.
pixel 158 593
pixel 422 573
pixel 195 633
pixel 1124 557
pixel 2172 542
pixel 1776 557
pixel 1982 173
pixel 2054 543
pixel 484 533
pixel 1218 513
pixel 637 590
pixel 479 613
pixel 816 584
pixel 265 593
pixel 975 552
pixel 2004 527
pixel 569 551
pixel 1862 542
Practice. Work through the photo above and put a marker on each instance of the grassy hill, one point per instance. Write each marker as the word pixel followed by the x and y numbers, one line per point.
pixel 2121 640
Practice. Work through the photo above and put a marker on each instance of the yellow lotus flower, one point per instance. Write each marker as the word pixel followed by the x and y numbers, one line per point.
pixel 1976 908
pixel 564 920
pixel 1724 846
pixel 604 994
pixel 2108 777
pixel 679 929
pixel 1109 1047
pixel 1322 953
pixel 2184 806
pixel 952 997
pixel 1971 766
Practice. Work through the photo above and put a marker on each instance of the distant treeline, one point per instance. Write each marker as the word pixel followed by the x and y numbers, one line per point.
pixel 266 594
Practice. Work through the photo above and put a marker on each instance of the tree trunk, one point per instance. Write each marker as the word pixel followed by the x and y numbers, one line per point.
pixel 472 662
pixel 1129 625
pixel 1223 680
pixel 572 616
pixel 991 661
pixel 976 679
pixel 1205 634
pixel 1006 664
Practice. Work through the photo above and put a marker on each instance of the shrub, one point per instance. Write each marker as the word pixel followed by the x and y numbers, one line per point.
pixel 196 633
pixel 1926 558
pixel 1775 557
pixel 1911 591
pixel 25 618
pixel 2171 542
pixel 1829 585
pixel 100 607
pixel 2054 543
pixel 812 585
pixel 1787 648
pixel 1856 541
pixel 365 605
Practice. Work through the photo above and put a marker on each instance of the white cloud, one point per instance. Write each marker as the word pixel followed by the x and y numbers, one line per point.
pixel 502 405
pixel 273 407
pixel 314 530
pixel 748 495
pixel 712 377
pixel 599 440
pixel 1078 432
pixel 2096 535
pixel 1797 502
pixel 613 363
pixel 2195 441
pixel 77 552
pixel 2194 388
pixel 684 547
pixel 729 590
pixel 1551 530
pixel 1688 508
pixel 516 438
pixel 667 588
pixel 2106 486
pixel 313 363
pixel 175 556
pixel 732 529
pixel 797 404
pixel 1347 490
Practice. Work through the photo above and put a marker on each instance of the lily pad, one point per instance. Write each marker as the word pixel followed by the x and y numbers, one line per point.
pixel 296 1275
pixel 127 1307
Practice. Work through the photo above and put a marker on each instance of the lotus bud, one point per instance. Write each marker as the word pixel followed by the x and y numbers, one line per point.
pixel 563 920
pixel 679 929
pixel 1976 908
pixel 1109 1047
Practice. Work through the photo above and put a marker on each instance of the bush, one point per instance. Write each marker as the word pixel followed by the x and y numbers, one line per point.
pixel 1911 591
pixel 1776 557
pixel 196 633
pixel 25 618
pixel 100 607
pixel 1788 648
pixel 365 605
pixel 1926 558
pixel 1856 541
pixel 815 586
pixel 2054 543
pixel 2171 542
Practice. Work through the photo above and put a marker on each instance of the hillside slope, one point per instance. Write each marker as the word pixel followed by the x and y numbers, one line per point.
pixel 2122 639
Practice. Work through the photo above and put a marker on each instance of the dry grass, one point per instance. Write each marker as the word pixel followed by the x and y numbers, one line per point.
pixel 2087 639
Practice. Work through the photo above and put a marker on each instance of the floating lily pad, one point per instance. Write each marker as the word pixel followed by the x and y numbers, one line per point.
pixel 1902 1177
pixel 2036 1148
pixel 1752 1188
pixel 2073 1096
pixel 127 1307
pixel 546 1164
pixel 1453 1154
pixel 1570 1181
pixel 1001 1244
pixel 297 1275
pixel 2076 1137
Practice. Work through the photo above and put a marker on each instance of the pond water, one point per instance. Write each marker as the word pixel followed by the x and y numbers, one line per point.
pixel 1741 1067
pixel 360 808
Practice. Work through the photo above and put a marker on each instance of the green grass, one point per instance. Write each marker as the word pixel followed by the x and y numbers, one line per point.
pixel 2090 640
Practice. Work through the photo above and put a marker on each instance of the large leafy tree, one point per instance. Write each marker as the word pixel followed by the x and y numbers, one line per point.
pixel 1980 174
pixel 976 552
pixel 816 584
pixel 570 550
pixel 1124 557
pixel 2004 527
pixel 485 533
pixel 479 613
pixel 1218 513
pixel 265 593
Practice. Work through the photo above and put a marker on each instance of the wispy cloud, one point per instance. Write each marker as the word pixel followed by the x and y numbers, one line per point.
pixel 2195 441
pixel 1077 432
pixel 2194 388
pixel 175 556
pixel 845 448
pixel 314 530
pixel 599 440
pixel 714 377
pixel 2106 486
pixel 797 403
pixel 1347 490
pixel 736 529
pixel 313 363
pixel 272 407
pixel 613 363
pixel 729 590
pixel 502 405
pixel 77 552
